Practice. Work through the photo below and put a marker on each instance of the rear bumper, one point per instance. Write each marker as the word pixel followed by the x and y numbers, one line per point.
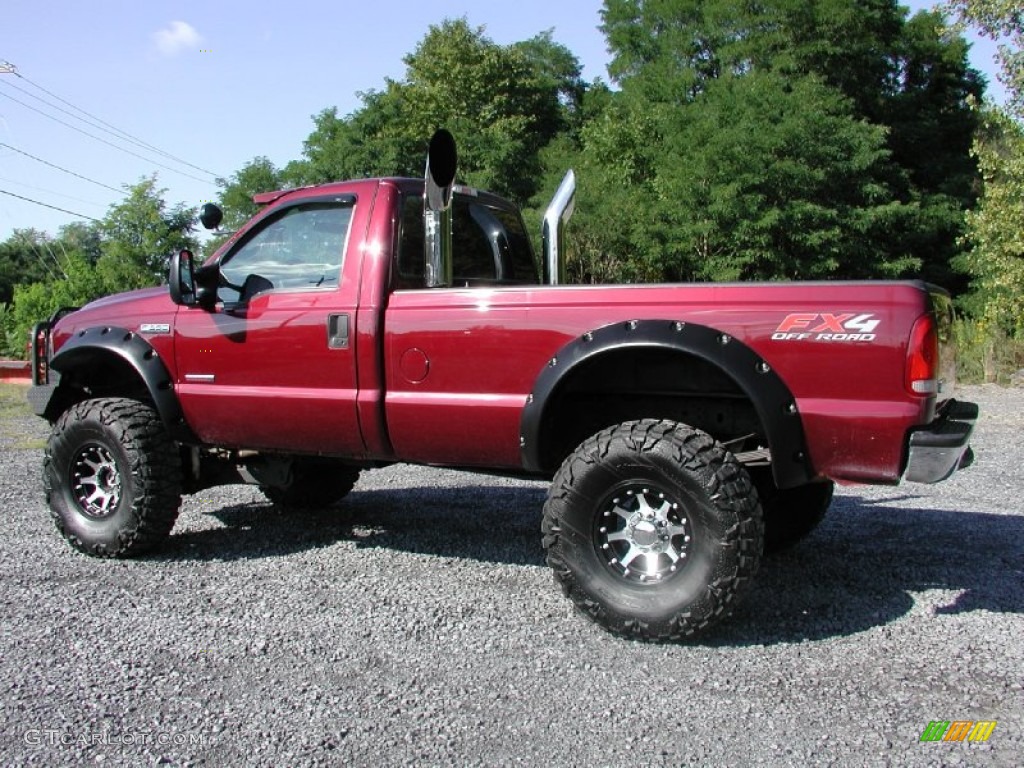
pixel 936 451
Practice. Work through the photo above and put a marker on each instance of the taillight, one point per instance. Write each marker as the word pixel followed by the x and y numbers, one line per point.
pixel 40 354
pixel 923 358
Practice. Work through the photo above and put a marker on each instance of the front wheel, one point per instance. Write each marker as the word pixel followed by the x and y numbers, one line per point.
pixel 653 529
pixel 112 477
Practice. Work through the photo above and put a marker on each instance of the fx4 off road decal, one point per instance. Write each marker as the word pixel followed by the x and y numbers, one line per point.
pixel 823 326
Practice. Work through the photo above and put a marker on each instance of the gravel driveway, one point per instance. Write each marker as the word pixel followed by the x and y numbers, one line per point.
pixel 417 624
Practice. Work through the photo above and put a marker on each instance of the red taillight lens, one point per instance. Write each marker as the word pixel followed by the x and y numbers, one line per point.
pixel 40 358
pixel 923 358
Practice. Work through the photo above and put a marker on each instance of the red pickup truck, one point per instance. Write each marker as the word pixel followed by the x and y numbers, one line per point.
pixel 347 326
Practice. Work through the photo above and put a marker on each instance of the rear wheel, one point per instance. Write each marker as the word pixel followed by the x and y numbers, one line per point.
pixel 653 529
pixel 314 485
pixel 112 477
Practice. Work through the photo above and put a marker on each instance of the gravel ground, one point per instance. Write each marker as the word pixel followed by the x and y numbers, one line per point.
pixel 417 624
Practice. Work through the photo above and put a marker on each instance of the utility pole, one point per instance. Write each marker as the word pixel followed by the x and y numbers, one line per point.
pixel 6 68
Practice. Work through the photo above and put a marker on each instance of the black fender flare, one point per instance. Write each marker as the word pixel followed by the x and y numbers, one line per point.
pixel 131 348
pixel 772 399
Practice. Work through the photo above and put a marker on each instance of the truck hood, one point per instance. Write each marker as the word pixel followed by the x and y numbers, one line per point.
pixel 142 295
pixel 125 310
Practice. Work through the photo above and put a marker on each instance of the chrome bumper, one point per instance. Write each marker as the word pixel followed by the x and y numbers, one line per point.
pixel 939 449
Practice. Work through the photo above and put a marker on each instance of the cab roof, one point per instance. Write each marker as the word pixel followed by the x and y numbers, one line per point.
pixel 266 198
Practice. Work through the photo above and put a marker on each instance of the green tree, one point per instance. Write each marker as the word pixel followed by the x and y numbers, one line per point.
pixel 30 256
pixel 80 283
pixel 127 249
pixel 503 107
pixel 257 175
pixel 612 235
pixel 26 256
pixel 778 179
pixel 794 139
pixel 84 239
pixel 673 49
pixel 762 177
pixel 139 234
pixel 929 110
pixel 931 122
pixel 996 228
pixel 558 67
pixel 503 103
pixel 33 258
pixel 1003 21
pixel 995 233
pixel 363 144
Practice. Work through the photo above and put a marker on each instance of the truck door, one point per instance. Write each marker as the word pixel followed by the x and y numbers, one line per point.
pixel 273 365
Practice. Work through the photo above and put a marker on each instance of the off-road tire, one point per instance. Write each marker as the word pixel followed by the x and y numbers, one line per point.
pixel 315 485
pixel 676 495
pixel 791 515
pixel 112 477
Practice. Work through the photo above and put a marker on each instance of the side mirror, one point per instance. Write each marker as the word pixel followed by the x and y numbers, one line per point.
pixel 190 286
pixel 181 279
pixel 210 216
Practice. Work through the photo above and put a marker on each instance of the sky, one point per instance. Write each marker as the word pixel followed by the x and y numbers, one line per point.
pixel 212 85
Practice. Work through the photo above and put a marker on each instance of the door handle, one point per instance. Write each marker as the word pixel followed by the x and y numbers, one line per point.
pixel 337 331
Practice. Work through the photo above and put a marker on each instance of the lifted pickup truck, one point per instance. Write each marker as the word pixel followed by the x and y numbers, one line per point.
pixel 352 325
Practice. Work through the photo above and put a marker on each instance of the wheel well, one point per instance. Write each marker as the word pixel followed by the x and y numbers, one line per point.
pixel 115 362
pixel 664 369
pixel 646 382
pixel 100 374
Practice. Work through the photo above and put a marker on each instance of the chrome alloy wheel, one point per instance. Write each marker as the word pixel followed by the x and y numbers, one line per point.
pixel 642 533
pixel 95 481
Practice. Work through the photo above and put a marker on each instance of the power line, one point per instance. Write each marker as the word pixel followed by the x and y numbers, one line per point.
pixel 103 125
pixel 42 260
pixel 50 191
pixel 94 124
pixel 104 141
pixel 50 251
pixel 32 245
pixel 47 205
pixel 53 165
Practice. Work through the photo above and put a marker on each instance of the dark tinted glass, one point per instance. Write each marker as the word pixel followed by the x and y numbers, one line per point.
pixel 489 245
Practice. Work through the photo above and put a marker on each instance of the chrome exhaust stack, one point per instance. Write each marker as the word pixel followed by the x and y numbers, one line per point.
pixel 439 180
pixel 559 212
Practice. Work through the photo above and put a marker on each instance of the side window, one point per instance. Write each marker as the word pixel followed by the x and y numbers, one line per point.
pixel 300 249
pixel 489 245
pixel 409 268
